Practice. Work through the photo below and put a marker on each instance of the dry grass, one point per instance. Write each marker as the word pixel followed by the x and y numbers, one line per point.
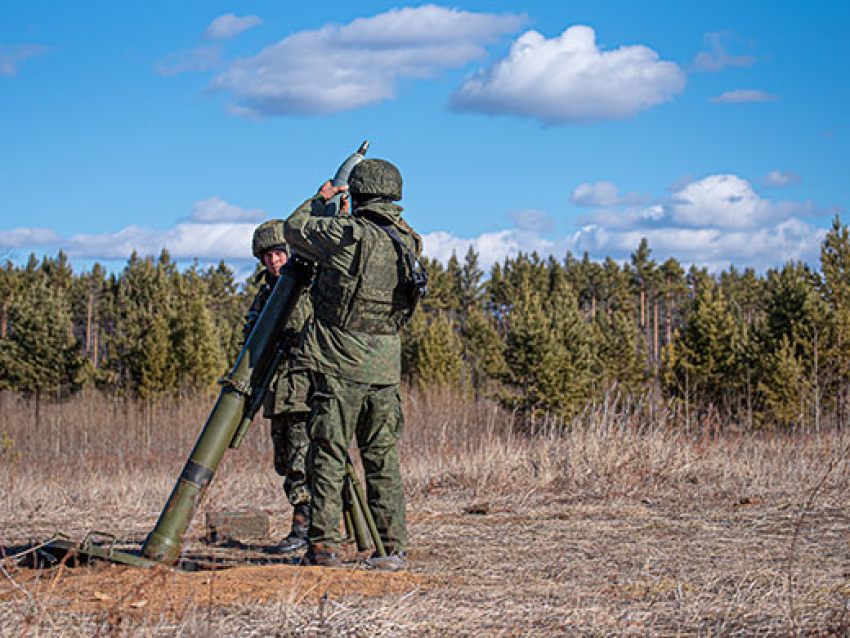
pixel 611 526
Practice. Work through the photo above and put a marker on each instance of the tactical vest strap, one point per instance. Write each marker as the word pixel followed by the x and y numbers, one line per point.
pixel 374 299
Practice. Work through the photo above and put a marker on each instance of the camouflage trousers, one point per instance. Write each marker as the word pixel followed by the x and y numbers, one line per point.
pixel 287 408
pixel 291 443
pixel 341 411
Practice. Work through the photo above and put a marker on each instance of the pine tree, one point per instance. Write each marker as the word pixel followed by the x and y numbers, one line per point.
pixel 156 373
pixel 835 266
pixel 227 306
pixel 10 286
pixel 785 387
pixel 705 365
pixel 439 354
pixel 674 288
pixel 619 361
pixel 484 348
pixel 194 338
pixel 469 287
pixel 453 299
pixel 548 353
pixel 588 284
pixel 646 281
pixel 411 337
pixel 796 317
pixel 615 288
pixel 39 355
pixel 142 292
pixel 440 287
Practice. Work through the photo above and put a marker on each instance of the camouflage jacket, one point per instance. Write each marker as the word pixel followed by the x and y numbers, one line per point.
pixel 337 243
pixel 294 325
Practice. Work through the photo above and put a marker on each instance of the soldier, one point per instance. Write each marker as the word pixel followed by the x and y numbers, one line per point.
pixel 286 403
pixel 352 347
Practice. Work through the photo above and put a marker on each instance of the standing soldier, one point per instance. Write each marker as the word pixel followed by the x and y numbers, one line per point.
pixel 362 296
pixel 286 403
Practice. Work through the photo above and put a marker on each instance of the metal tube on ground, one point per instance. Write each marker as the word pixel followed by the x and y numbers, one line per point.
pixel 164 543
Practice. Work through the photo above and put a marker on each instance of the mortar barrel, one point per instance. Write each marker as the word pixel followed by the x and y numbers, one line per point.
pixel 164 543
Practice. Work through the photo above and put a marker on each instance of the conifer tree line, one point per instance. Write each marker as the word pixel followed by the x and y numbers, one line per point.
pixel 543 336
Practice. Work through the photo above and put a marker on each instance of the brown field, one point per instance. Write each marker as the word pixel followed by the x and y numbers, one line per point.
pixel 617 525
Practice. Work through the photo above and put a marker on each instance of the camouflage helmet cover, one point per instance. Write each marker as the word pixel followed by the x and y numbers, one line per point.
pixel 267 235
pixel 375 177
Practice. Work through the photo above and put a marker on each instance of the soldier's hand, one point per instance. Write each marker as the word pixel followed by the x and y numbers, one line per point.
pixel 328 190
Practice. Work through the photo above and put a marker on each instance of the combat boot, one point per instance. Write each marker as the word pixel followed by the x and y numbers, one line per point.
pixel 297 538
pixel 321 555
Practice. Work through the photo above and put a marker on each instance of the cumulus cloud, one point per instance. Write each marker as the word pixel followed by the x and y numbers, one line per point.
pixel 714 248
pixel 743 96
pixel 713 222
pixel 186 241
pixel 27 238
pixel 491 247
pixel 12 55
pixel 215 230
pixel 625 217
pixel 727 201
pixel 718 57
pixel 215 210
pixel 534 220
pixel 228 26
pixel 569 79
pixel 338 68
pixel 602 194
pixel 778 179
pixel 197 60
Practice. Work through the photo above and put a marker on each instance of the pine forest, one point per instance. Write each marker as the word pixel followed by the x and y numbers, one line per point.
pixel 547 339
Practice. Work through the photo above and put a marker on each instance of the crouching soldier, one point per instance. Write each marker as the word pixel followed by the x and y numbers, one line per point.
pixel 286 402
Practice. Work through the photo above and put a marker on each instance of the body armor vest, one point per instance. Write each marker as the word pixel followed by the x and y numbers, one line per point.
pixel 372 298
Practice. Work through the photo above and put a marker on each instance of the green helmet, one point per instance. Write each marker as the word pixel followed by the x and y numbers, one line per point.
pixel 375 177
pixel 267 235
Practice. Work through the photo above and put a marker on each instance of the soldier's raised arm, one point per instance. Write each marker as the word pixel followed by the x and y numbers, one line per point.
pixel 314 235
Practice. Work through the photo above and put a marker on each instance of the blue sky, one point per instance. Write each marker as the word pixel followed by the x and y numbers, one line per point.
pixel 716 130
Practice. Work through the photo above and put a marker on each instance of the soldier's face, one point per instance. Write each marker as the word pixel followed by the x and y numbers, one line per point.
pixel 274 260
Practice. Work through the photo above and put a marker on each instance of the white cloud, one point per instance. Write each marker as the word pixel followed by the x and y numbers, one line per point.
pixel 215 230
pixel 719 57
pixel 186 241
pixel 602 194
pixel 727 201
pixel 569 79
pixel 338 68
pixel 714 222
pixel 27 238
pixel 534 220
pixel 11 56
pixel 215 209
pixel 744 96
pixel 711 247
pixel 625 218
pixel 778 179
pixel 229 26
pixel 197 60
pixel 491 247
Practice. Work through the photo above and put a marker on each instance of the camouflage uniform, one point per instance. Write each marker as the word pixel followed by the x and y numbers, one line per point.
pixel 286 403
pixel 352 346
